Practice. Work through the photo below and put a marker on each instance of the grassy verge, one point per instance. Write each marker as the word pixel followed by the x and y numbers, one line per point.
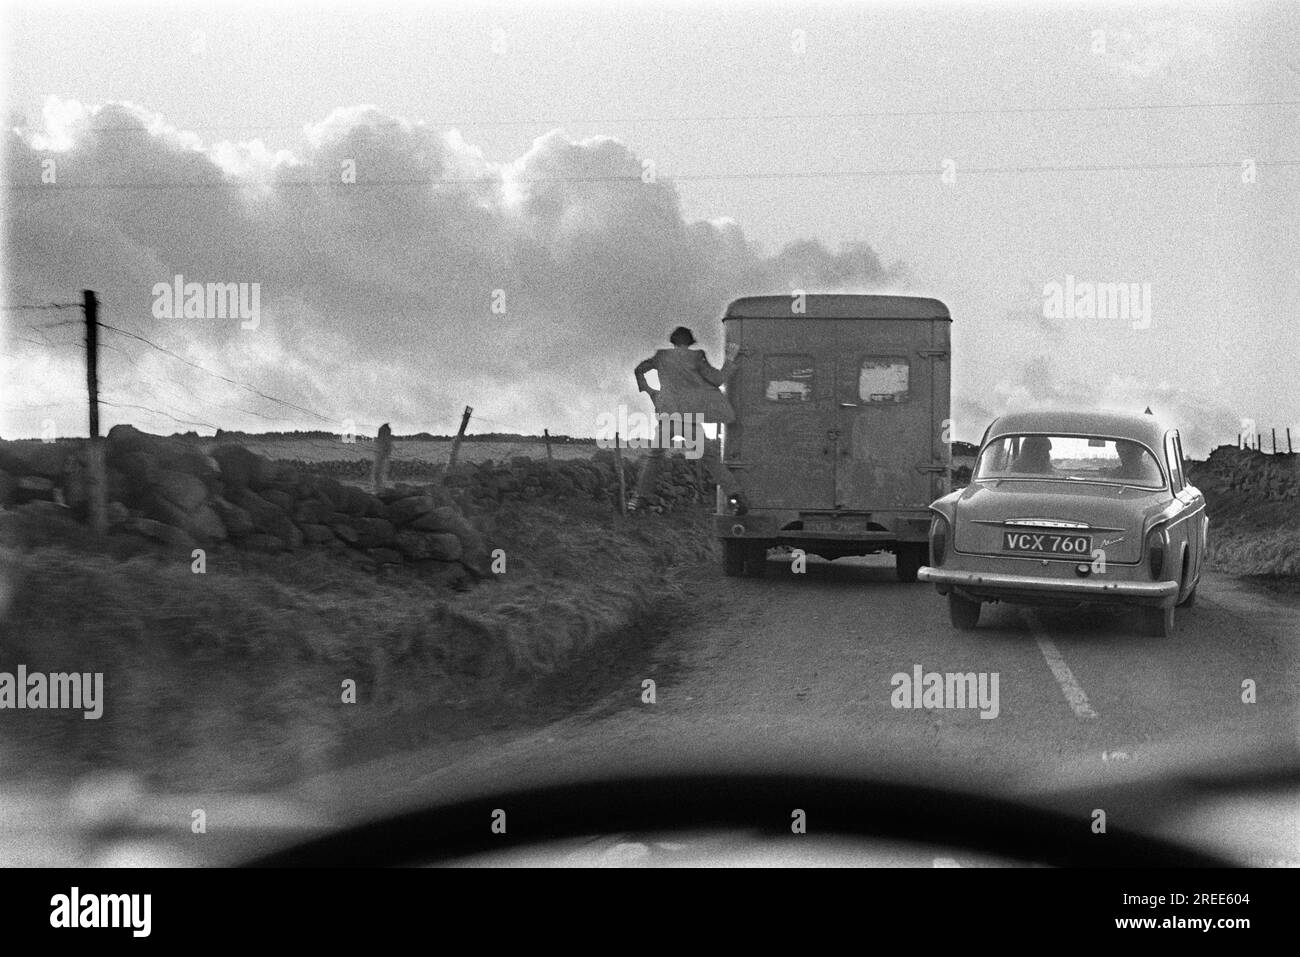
pixel 234 678
pixel 1256 540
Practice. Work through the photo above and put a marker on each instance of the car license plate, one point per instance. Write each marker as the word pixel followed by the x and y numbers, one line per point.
pixel 825 523
pixel 1052 543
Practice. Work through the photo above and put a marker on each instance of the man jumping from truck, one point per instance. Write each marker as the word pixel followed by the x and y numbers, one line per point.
pixel 687 396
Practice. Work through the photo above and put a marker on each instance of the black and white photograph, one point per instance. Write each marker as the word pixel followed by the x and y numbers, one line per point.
pixel 659 435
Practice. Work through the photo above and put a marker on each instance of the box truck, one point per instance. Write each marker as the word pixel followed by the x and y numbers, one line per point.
pixel 841 433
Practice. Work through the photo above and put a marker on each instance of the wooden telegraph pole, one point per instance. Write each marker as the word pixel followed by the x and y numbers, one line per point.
pixel 95 474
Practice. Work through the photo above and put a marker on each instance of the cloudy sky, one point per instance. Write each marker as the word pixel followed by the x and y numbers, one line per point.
pixel 390 173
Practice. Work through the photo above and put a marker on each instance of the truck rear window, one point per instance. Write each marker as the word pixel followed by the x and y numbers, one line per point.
pixel 788 378
pixel 883 379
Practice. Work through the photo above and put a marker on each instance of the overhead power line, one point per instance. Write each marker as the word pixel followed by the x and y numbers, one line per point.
pixel 45 305
pixel 145 408
pixel 747 117
pixel 56 325
pixel 215 375
pixel 635 179
pixel 47 344
pixel 33 408
pixel 193 420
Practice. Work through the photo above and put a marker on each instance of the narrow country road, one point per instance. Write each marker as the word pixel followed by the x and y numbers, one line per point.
pixel 795 667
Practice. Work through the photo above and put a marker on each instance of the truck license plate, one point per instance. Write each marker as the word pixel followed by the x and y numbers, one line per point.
pixel 827 524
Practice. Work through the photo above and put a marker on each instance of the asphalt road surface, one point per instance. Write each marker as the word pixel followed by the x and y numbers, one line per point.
pixel 794 665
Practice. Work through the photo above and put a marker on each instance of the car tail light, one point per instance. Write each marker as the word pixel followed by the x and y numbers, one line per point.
pixel 938 540
pixel 1156 551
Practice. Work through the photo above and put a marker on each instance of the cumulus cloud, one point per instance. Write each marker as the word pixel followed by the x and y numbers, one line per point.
pixel 402 273
pixel 1042 382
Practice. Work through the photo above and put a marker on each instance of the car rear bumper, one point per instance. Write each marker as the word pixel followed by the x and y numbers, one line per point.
pixel 1007 587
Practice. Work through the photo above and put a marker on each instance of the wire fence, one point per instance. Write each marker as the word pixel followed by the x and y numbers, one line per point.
pixel 1276 440
pixel 160 404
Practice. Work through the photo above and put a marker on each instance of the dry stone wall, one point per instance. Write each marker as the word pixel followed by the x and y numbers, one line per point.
pixel 1257 475
pixel 183 493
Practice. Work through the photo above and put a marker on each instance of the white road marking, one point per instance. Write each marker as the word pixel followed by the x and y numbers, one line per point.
pixel 1060 670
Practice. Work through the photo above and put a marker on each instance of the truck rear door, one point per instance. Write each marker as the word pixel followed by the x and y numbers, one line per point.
pixel 892 397
pixel 784 393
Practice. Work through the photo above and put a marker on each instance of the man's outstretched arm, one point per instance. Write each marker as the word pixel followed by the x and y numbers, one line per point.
pixel 719 376
pixel 640 371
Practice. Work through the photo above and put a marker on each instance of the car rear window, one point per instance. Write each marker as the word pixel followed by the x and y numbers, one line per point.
pixel 1070 457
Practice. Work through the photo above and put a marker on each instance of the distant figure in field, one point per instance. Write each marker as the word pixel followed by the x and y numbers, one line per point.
pixel 383 452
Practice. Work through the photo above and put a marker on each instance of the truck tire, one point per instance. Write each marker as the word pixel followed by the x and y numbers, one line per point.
pixel 1158 622
pixel 963 613
pixel 733 557
pixel 908 559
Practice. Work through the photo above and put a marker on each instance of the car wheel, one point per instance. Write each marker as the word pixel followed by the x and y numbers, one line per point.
pixel 908 560
pixel 1190 600
pixel 755 559
pixel 1158 622
pixel 964 613
pixel 733 557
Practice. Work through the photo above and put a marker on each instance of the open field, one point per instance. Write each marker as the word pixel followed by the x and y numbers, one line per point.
pixel 430 451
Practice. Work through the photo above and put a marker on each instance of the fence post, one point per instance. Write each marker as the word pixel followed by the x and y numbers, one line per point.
pixel 96 479
pixel 1288 439
pixel 1274 431
pixel 383 453
pixel 460 435
pixel 622 484
pixel 546 434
